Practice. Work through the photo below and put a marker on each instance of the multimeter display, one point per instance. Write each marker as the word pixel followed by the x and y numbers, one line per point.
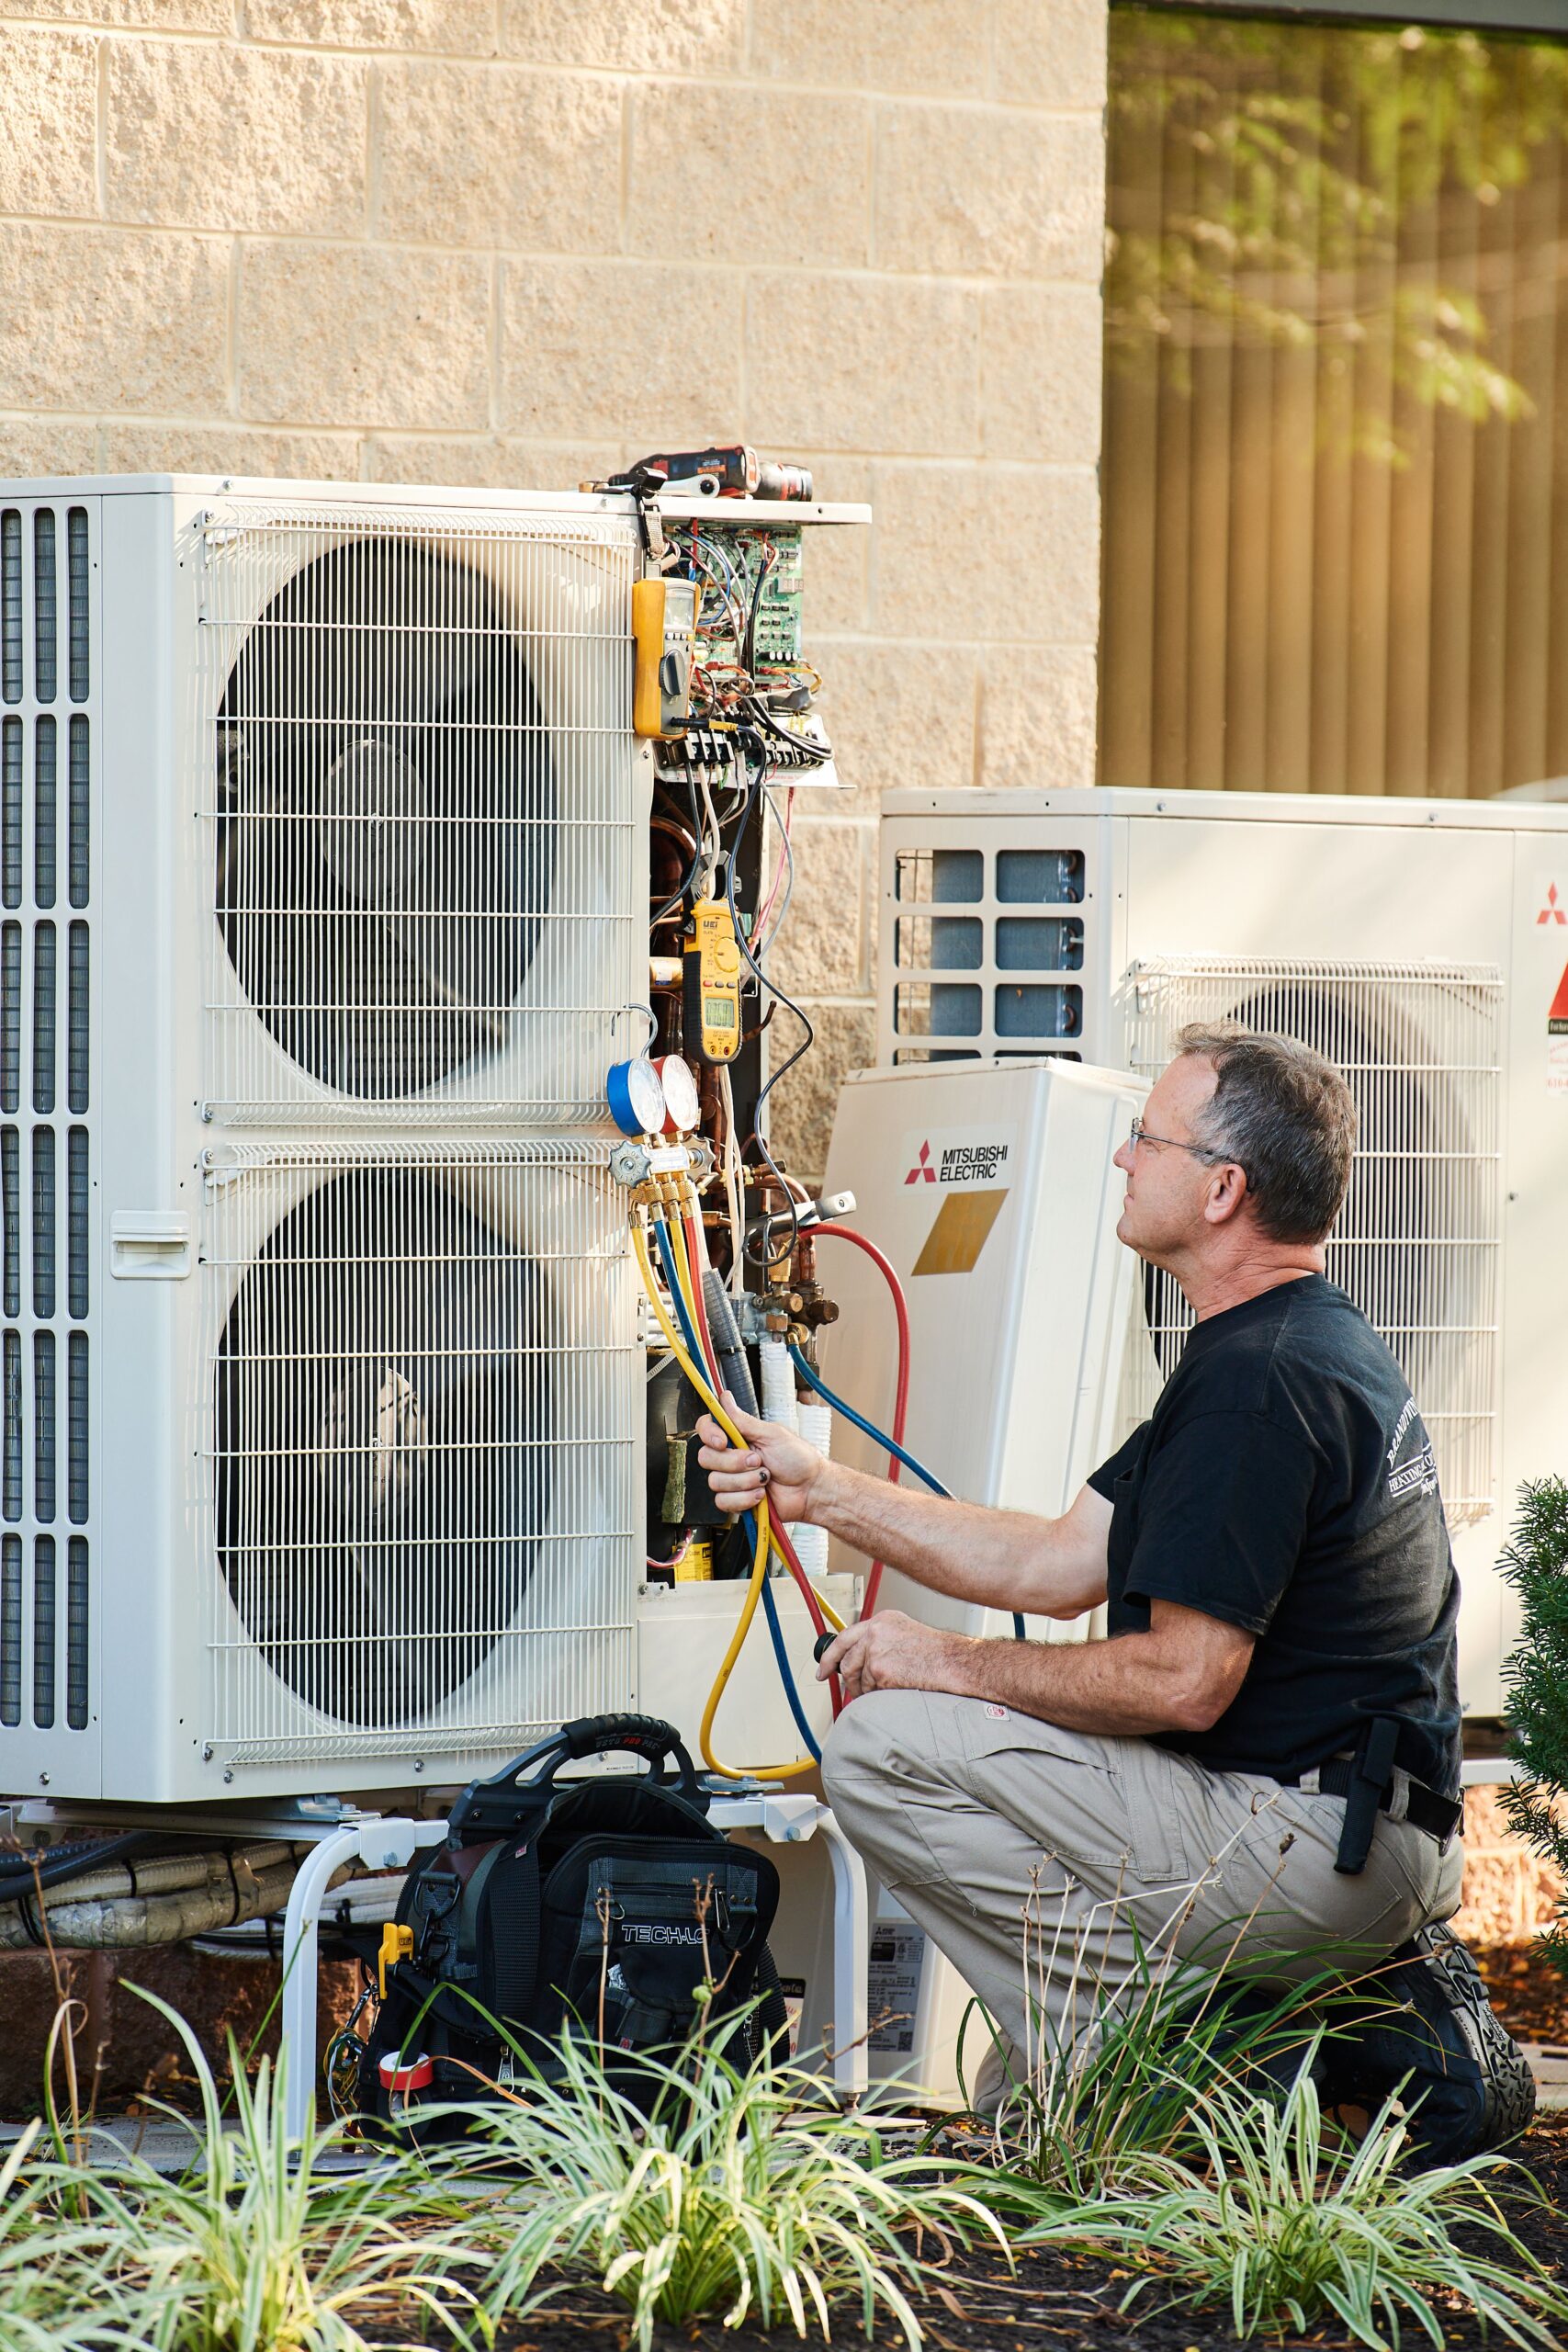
pixel 712 1023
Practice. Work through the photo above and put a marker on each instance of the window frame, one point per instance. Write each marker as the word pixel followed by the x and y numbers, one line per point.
pixel 1473 15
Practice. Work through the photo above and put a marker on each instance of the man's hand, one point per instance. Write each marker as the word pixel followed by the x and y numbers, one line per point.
pixel 776 1463
pixel 891 1651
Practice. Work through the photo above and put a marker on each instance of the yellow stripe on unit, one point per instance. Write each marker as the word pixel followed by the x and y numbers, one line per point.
pixel 958 1236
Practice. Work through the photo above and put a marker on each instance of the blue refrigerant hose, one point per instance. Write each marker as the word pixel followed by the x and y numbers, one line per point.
pixel 885 1444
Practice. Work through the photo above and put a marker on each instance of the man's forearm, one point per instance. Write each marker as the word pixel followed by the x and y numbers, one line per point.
pixel 1000 1559
pixel 1119 1689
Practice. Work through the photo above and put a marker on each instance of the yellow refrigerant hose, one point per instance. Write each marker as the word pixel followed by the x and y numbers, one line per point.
pixel 759 1556
pixel 689 1278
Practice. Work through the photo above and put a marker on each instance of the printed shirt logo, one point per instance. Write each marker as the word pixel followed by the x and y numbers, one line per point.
pixel 1551 911
pixel 1418 1473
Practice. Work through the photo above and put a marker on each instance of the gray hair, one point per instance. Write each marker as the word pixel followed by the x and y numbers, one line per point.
pixel 1284 1116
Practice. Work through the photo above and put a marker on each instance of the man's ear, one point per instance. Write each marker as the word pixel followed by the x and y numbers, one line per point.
pixel 1227 1190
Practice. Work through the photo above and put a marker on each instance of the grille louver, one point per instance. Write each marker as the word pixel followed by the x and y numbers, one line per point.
pixel 45 1026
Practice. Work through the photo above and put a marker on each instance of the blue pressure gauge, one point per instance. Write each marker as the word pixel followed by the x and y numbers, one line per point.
pixel 636 1097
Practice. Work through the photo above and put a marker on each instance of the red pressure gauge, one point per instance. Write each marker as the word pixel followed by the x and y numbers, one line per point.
pixel 681 1109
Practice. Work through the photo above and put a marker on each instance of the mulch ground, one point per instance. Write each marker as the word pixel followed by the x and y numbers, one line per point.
pixel 1053 2302
pixel 1059 2302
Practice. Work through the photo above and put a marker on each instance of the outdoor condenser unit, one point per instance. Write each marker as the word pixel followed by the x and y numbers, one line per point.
pixel 1422 945
pixel 323 867
pixel 322 915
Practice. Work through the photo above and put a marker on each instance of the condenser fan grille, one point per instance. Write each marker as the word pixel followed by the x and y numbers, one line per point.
pixel 423 850
pixel 1417 1245
pixel 419 1449
pixel 384 837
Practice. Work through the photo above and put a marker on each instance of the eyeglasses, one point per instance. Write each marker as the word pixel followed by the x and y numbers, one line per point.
pixel 1138 1134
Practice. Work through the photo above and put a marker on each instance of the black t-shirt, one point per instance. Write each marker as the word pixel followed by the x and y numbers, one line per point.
pixel 1286 1485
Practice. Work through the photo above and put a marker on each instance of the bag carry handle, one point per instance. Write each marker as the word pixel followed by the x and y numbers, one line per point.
pixel 482 1805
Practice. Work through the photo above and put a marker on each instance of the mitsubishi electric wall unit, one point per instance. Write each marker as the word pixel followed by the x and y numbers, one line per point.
pixel 1422 945
pixel 323 911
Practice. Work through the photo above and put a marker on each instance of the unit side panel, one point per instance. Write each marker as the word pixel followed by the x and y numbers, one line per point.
pixel 143 1003
pixel 1315 892
pixel 1534 1250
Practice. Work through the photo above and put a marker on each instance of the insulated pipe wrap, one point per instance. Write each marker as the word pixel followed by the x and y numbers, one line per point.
pixel 178 1896
pixel 778 1383
pixel 734 1370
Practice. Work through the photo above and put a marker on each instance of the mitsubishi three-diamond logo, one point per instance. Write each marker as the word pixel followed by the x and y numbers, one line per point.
pixel 922 1172
pixel 1551 911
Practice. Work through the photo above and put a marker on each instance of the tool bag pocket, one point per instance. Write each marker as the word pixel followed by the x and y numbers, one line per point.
pixel 639 1941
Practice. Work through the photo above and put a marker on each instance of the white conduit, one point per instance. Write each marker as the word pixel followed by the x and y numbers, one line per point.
pixel 816 1426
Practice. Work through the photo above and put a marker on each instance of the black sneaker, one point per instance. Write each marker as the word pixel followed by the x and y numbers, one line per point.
pixel 1469 2085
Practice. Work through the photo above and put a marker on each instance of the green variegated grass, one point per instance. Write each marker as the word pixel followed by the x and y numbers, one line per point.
pixel 59 2290
pixel 1287 2223
pixel 744 2194
pixel 256 2247
pixel 1087 2109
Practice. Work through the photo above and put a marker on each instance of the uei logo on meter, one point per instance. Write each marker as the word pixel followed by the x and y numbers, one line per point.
pixel 712 978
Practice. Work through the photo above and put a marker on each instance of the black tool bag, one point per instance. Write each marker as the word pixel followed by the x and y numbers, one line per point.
pixel 609 1903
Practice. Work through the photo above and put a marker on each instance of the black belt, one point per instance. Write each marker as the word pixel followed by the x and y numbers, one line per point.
pixel 1438 1817
pixel 1366 1782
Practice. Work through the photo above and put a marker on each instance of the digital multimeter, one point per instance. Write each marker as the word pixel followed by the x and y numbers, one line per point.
pixel 712 984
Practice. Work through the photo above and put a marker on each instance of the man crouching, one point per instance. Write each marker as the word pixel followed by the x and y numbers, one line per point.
pixel 1264 1754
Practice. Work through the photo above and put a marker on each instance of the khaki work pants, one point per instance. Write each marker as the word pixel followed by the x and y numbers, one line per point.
pixel 1042 1861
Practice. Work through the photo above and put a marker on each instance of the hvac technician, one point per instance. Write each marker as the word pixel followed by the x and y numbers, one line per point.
pixel 1266 1751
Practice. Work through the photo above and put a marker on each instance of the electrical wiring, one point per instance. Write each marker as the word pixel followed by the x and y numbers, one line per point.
pixel 783 872
pixel 20 1875
pixel 807 1041
pixel 817 754
pixel 732 1179
pixel 675 1558
pixel 880 1438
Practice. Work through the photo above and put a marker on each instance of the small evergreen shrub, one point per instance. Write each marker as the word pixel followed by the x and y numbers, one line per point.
pixel 1536 1565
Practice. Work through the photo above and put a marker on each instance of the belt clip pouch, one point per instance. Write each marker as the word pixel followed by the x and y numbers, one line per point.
pixel 1373 1770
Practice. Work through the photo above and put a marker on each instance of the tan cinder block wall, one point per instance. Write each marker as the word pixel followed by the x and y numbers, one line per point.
pixel 517 241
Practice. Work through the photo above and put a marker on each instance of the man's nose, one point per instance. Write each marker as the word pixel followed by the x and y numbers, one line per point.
pixel 1122 1157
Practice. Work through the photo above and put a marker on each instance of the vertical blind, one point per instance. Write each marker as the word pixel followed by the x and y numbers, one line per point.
pixel 1336 455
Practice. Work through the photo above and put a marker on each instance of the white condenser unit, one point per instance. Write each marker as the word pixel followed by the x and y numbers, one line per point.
pixel 1422 945
pixel 324 890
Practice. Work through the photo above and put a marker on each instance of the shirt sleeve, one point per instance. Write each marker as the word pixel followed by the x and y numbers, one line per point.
pixel 1223 1516
pixel 1103 1480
